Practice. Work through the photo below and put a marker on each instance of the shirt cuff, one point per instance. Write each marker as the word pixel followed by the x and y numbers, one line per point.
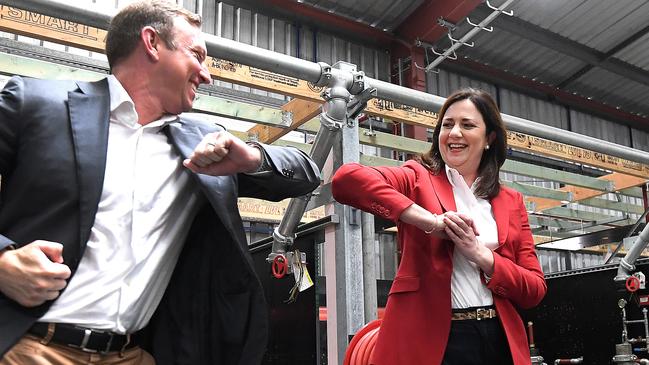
pixel 7 248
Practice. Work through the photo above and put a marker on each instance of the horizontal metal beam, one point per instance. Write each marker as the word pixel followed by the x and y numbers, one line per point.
pixel 315 73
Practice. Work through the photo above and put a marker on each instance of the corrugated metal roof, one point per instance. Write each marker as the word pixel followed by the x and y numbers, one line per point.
pixel 381 14
pixel 592 48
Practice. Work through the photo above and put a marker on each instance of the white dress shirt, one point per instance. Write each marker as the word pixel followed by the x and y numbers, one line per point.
pixel 147 203
pixel 467 289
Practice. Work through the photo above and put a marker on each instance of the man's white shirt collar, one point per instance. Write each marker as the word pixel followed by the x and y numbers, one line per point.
pixel 123 108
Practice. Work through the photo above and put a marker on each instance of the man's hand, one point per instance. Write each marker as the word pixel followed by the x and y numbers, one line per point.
pixel 221 154
pixel 34 273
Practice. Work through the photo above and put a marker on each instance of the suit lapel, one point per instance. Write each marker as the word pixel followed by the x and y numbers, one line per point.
pixel 219 190
pixel 89 109
pixel 500 208
pixel 443 190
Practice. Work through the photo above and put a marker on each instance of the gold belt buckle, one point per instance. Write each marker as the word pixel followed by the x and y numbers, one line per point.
pixel 482 313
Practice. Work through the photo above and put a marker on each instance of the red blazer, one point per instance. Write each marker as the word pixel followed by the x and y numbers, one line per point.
pixel 417 319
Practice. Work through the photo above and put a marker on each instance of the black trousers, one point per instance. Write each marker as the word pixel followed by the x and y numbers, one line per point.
pixel 474 342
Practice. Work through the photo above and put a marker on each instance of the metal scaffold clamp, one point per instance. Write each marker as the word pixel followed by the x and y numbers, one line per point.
pixel 358 103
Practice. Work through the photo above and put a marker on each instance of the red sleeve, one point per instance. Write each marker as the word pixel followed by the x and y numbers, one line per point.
pixel 382 191
pixel 520 280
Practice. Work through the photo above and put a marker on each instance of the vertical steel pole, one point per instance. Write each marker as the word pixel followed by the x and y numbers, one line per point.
pixel 369 267
pixel 343 254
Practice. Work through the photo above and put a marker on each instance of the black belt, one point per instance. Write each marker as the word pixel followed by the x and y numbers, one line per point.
pixel 84 339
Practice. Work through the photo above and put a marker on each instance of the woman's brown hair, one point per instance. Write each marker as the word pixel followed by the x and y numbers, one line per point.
pixel 493 158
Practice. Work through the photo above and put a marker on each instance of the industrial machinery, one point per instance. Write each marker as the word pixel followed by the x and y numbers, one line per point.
pixel 588 318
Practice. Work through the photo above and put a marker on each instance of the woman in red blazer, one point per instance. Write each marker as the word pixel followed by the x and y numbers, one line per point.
pixel 467 252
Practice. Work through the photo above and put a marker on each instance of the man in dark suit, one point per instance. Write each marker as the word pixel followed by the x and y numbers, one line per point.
pixel 120 237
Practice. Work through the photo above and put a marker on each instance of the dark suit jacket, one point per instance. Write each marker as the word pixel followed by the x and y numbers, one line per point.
pixel 53 141
pixel 417 318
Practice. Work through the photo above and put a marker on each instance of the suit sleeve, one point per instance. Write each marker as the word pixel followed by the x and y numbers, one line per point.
pixel 382 191
pixel 520 280
pixel 10 109
pixel 292 173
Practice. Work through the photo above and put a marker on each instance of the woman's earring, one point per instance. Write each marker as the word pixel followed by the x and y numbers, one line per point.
pixel 486 147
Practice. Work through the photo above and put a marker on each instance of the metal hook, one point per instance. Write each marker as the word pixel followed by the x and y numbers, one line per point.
pixel 457 41
pixel 490 29
pixel 451 57
pixel 445 23
pixel 424 68
pixel 510 13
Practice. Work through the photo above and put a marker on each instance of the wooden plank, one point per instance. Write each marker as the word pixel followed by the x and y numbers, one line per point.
pixel 562 151
pixel 51 29
pixel 300 111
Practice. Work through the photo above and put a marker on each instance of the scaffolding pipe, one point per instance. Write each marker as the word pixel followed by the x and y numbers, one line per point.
pixel 332 118
pixel 627 264
pixel 321 74
pixel 283 235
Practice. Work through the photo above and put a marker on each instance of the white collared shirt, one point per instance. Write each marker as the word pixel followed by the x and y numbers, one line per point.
pixel 467 290
pixel 147 203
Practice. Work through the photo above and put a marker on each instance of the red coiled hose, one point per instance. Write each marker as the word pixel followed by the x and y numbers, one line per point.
pixel 362 345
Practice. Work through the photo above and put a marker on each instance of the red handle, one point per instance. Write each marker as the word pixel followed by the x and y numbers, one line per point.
pixel 279 267
pixel 632 284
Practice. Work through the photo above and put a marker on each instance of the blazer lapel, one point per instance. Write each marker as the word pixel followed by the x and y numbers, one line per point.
pixel 89 109
pixel 218 189
pixel 443 190
pixel 500 208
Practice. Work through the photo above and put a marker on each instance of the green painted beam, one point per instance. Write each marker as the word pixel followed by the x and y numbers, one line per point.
pixel 585 225
pixel 563 177
pixel 635 192
pixel 237 110
pixel 613 205
pixel 539 192
pixel 581 215
pixel 391 141
pixel 25 66
pixel 378 161
pixel 554 235
pixel 547 222
pixel 306 148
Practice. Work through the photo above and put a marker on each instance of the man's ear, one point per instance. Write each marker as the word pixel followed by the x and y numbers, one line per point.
pixel 151 41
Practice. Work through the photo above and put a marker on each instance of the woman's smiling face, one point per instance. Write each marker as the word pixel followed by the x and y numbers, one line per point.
pixel 463 138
